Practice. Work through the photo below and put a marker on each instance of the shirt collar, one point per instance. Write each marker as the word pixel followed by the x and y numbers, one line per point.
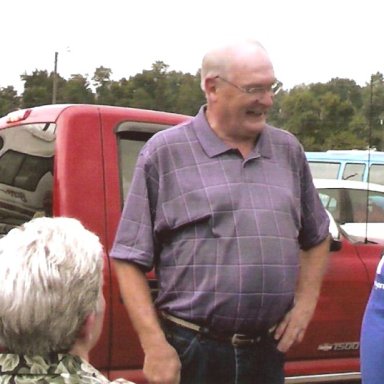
pixel 214 146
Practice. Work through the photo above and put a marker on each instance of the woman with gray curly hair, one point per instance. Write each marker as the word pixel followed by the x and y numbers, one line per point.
pixel 51 302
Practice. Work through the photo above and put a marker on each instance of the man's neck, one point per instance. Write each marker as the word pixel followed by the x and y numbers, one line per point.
pixel 80 351
pixel 244 144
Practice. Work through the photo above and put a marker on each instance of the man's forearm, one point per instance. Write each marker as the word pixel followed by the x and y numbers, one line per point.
pixel 313 264
pixel 161 362
pixel 138 301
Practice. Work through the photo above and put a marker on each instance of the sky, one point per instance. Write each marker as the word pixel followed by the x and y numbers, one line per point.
pixel 308 40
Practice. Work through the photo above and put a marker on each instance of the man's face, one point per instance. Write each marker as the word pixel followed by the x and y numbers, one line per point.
pixel 244 96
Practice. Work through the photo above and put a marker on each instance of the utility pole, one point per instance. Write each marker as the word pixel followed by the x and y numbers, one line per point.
pixel 370 121
pixel 54 88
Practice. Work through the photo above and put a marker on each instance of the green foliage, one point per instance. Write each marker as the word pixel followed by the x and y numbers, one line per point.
pixel 9 101
pixel 77 90
pixel 334 115
pixel 37 89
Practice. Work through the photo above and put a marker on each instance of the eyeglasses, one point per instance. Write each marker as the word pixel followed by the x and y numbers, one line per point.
pixel 259 90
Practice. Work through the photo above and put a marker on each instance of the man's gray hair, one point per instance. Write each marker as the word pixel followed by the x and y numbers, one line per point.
pixel 51 279
pixel 217 61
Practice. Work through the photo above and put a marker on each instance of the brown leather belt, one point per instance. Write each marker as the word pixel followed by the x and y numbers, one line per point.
pixel 237 339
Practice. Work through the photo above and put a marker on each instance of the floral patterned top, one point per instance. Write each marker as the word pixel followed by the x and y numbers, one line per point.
pixel 52 369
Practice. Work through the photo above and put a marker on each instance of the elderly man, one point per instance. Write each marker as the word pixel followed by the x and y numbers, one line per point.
pixel 225 210
pixel 51 303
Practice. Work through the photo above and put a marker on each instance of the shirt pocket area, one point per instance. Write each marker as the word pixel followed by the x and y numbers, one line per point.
pixel 186 215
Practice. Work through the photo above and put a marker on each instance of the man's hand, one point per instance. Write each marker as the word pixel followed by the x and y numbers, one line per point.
pixel 162 365
pixel 292 328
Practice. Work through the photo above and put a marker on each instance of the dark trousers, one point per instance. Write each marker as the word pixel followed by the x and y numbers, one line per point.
pixel 209 361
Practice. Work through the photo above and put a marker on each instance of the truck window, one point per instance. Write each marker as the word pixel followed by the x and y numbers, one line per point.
pixel 26 174
pixel 22 170
pixel 131 138
pixel 351 165
pixel 354 171
pixel 376 173
pixel 129 150
pixel 324 170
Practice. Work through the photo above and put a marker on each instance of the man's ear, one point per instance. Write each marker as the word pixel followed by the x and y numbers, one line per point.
pixel 210 88
pixel 85 333
pixel 84 340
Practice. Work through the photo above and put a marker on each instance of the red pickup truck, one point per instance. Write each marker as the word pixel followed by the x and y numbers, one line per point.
pixel 77 160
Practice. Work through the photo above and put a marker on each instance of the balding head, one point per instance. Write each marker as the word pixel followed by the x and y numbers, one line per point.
pixel 221 60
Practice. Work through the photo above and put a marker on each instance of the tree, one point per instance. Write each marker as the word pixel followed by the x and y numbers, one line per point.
pixel 38 88
pixel 102 82
pixel 187 94
pixel 121 92
pixel 301 112
pixel 374 110
pixel 77 90
pixel 323 116
pixel 332 115
pixel 346 89
pixel 9 101
pixel 149 88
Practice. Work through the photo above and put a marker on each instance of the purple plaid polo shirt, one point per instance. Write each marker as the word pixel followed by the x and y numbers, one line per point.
pixel 222 232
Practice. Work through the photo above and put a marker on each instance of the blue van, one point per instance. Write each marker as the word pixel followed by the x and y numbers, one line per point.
pixel 352 164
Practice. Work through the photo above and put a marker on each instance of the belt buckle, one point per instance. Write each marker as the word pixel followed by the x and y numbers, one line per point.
pixel 240 340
